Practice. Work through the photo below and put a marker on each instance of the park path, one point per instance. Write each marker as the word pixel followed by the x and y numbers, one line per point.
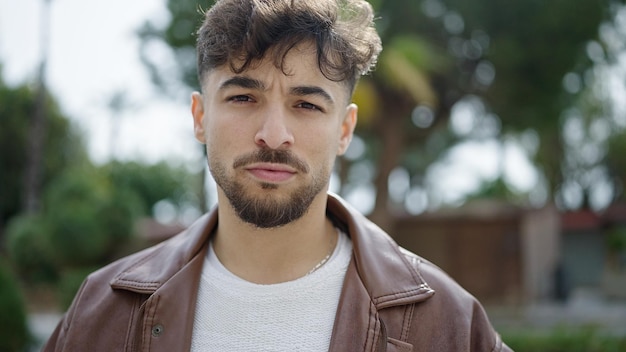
pixel 41 326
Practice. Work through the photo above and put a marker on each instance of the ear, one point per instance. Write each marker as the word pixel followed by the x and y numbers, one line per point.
pixel 197 110
pixel 347 128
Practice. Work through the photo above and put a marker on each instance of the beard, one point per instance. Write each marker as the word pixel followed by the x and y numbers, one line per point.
pixel 268 210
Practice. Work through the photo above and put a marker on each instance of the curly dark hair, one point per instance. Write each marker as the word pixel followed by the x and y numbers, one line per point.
pixel 240 33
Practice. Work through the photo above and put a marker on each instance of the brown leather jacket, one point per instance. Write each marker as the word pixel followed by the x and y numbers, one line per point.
pixel 392 300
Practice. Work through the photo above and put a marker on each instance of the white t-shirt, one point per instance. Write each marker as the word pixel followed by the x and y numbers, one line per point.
pixel 236 315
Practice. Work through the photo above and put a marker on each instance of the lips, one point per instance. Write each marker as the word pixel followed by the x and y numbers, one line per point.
pixel 273 173
pixel 271 165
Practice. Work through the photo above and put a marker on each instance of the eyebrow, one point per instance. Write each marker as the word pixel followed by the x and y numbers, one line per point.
pixel 311 90
pixel 251 83
pixel 242 82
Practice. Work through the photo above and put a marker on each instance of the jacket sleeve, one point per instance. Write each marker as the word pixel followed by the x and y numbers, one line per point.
pixel 56 341
pixel 482 332
pixel 456 319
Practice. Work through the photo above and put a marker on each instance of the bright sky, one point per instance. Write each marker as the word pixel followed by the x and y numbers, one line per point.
pixel 94 53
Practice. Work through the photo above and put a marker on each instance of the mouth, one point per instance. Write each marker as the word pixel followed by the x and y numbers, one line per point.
pixel 271 173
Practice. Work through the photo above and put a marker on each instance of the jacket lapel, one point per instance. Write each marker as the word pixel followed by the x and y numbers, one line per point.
pixel 380 276
pixel 169 312
pixel 170 276
pixel 166 259
pixel 357 327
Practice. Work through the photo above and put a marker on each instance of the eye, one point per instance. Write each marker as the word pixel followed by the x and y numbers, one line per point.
pixel 240 98
pixel 309 106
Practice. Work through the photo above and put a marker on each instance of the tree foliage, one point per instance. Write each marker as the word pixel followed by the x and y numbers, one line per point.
pixel 62 145
pixel 87 217
pixel 88 212
pixel 14 335
pixel 533 45
pixel 153 183
pixel 179 35
pixel 615 161
pixel 29 249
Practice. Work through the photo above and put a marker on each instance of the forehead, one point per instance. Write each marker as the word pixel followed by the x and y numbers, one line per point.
pixel 299 66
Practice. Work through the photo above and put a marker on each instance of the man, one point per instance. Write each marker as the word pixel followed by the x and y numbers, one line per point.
pixel 279 264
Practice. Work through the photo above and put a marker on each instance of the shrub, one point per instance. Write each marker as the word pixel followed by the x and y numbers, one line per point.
pixel 76 236
pixel 89 218
pixel 14 333
pixel 29 250
pixel 564 340
pixel 72 207
pixel 118 215
pixel 70 282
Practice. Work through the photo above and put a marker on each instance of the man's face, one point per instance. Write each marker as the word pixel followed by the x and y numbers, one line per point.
pixel 271 137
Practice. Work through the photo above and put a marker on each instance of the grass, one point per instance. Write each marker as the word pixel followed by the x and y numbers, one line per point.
pixel 586 339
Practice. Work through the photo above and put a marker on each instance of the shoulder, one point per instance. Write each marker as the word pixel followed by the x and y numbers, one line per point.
pixel 97 288
pixel 439 280
pixel 112 295
pixel 105 275
pixel 95 305
pixel 144 271
pixel 453 313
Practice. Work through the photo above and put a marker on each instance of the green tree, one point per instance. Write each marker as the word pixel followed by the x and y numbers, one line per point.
pixel 88 218
pixel 510 58
pixel 62 146
pixel 14 333
pixel 616 162
pixel 595 126
pixel 534 47
pixel 29 249
pixel 153 183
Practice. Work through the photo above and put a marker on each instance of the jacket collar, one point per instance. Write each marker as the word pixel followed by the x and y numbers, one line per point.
pixel 389 276
pixel 153 267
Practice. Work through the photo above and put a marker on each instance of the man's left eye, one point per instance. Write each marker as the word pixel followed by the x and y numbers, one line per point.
pixel 240 98
pixel 309 106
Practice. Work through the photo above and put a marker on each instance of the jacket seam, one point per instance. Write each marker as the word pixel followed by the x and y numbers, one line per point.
pixel 498 344
pixel 406 323
pixel 146 327
pixel 69 318
pixel 139 284
pixel 369 324
pixel 131 319
pixel 132 322
pixel 382 336
pixel 141 261
pixel 371 330
pixel 418 263
pixel 403 294
pixel 413 270
pixel 79 296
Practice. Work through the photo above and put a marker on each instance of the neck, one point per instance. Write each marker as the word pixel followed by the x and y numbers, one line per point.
pixel 274 255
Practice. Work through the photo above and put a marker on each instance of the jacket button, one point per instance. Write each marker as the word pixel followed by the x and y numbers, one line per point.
pixel 157 330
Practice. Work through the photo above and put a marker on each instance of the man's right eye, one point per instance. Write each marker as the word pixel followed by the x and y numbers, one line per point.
pixel 240 98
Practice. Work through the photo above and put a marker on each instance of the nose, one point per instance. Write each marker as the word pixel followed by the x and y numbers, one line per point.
pixel 274 133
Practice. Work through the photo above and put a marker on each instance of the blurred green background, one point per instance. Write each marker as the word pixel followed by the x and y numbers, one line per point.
pixel 518 103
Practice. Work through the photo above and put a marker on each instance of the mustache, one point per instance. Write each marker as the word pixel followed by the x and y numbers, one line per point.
pixel 275 156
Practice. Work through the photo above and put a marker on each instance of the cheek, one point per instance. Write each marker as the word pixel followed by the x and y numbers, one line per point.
pixel 321 144
pixel 224 134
